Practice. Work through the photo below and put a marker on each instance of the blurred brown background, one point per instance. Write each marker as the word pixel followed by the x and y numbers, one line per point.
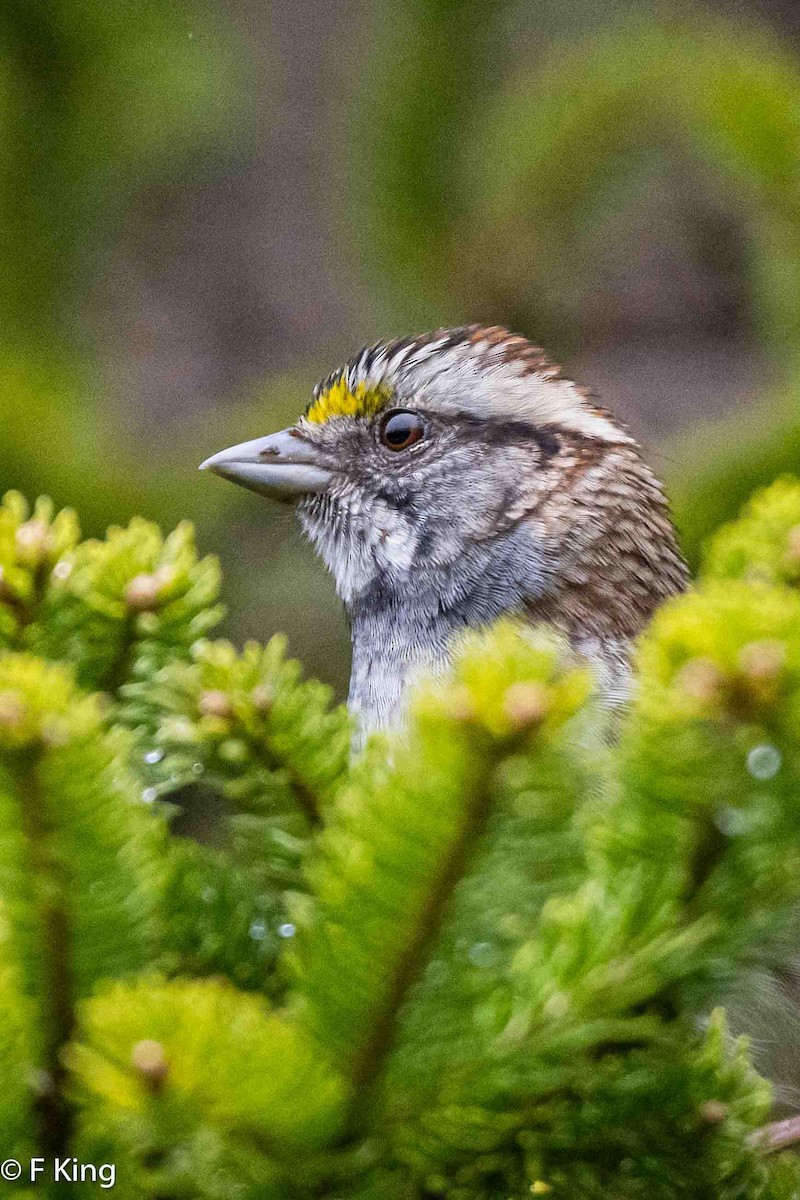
pixel 206 206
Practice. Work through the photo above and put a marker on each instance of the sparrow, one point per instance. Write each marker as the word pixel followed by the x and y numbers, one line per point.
pixel 457 477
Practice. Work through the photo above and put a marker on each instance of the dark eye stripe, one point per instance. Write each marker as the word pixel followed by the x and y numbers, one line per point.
pixel 495 432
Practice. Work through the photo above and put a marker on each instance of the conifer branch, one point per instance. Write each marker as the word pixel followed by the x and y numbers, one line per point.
pixel 271 739
pixel 710 847
pixel 370 1056
pixel 119 670
pixel 307 802
pixel 79 870
pixel 57 983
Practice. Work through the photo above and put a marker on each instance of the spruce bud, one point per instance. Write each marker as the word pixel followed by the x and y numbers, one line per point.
pixel 214 703
pixel 142 593
pixel 150 1064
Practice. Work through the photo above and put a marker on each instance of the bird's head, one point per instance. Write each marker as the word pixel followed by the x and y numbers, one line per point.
pixel 421 452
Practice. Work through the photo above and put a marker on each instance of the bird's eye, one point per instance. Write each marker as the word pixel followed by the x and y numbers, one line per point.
pixel 401 429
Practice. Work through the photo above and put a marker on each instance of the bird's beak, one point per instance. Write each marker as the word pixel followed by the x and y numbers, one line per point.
pixel 284 466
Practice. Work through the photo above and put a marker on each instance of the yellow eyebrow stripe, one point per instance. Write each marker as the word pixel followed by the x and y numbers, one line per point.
pixel 364 400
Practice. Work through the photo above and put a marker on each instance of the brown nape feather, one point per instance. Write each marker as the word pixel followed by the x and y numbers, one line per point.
pixel 619 557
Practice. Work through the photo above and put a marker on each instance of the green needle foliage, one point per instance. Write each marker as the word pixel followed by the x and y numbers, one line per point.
pixel 267 738
pixel 120 608
pixel 202 1087
pixel 80 866
pixel 228 909
pixel 16 1055
pixel 250 728
pixel 116 609
pixel 713 743
pixel 482 961
pixel 763 546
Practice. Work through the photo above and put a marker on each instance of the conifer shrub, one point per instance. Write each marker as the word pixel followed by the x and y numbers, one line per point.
pixel 485 959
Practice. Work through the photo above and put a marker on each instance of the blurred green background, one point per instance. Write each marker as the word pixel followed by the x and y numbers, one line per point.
pixel 205 206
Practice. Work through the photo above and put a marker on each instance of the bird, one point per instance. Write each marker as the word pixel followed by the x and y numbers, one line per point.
pixel 453 478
